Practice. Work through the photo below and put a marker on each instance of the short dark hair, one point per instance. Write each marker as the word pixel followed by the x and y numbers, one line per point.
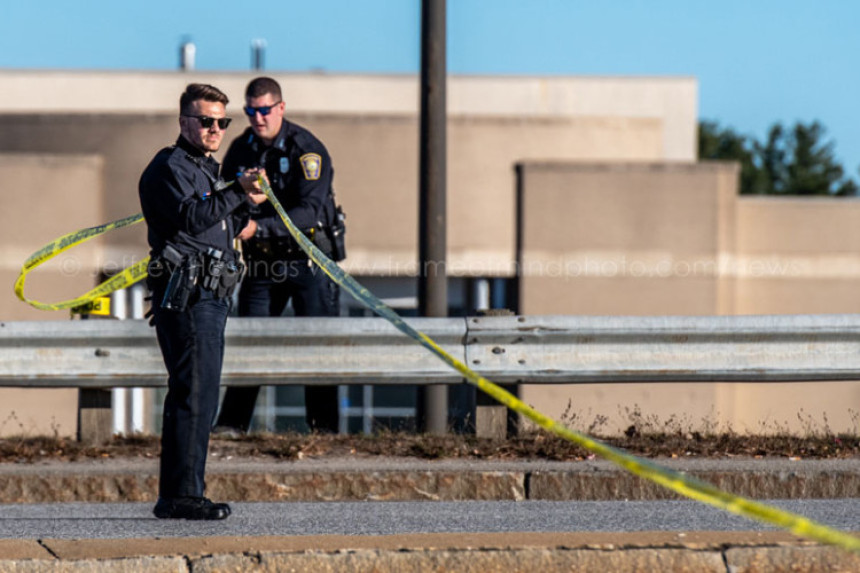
pixel 262 86
pixel 195 92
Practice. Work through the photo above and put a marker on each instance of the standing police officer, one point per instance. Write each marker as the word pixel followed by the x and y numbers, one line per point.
pixel 192 217
pixel 299 169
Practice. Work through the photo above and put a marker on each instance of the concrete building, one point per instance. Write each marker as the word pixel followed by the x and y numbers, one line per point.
pixel 582 195
pixel 676 239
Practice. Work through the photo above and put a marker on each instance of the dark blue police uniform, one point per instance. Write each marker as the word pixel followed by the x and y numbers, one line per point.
pixel 278 271
pixel 191 221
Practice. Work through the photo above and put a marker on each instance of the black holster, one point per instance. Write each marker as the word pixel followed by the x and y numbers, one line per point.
pixel 184 274
pixel 181 284
pixel 220 276
pixel 331 240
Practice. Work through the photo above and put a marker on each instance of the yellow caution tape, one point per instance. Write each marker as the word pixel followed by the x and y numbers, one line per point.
pixel 670 479
pixel 121 280
pixel 98 307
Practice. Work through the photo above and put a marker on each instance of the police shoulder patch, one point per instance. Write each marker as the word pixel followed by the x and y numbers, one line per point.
pixel 311 165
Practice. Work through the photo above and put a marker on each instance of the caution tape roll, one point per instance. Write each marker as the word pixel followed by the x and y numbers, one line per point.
pixel 670 479
pixel 124 279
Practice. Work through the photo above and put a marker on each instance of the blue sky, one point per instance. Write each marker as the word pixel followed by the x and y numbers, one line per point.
pixel 757 61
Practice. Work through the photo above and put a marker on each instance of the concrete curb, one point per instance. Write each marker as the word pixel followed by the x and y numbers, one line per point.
pixel 388 479
pixel 647 551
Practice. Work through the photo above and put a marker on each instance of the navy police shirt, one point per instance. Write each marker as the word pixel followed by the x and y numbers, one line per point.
pixel 299 169
pixel 183 203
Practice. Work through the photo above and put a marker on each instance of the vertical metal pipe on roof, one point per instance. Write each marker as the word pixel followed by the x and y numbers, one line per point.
pixel 258 54
pixel 187 54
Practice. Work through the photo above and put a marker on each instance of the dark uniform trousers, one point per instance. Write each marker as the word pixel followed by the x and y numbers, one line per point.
pixel 265 291
pixel 192 344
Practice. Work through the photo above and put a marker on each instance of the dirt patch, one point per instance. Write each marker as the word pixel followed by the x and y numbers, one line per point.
pixel 532 445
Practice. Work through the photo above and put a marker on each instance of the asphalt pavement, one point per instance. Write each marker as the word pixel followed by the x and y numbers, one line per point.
pixel 135 520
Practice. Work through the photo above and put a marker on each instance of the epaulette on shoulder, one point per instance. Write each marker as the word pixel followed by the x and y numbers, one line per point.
pixel 306 141
pixel 172 153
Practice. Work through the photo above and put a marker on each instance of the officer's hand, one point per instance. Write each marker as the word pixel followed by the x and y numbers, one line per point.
pixel 249 231
pixel 256 197
pixel 250 180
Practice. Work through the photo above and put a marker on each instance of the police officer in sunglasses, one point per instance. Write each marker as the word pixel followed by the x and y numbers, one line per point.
pixel 299 169
pixel 192 217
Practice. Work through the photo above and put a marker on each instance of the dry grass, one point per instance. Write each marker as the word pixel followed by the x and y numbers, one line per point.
pixel 532 445
pixel 645 435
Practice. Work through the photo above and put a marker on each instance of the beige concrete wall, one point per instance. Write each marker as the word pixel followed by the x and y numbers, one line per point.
pixel 798 255
pixel 628 239
pixel 41 197
pixel 624 238
pixel 671 101
pixel 125 142
pixel 377 181
pixel 796 407
pixel 38 412
pixel 369 122
pixel 653 240
pixel 376 175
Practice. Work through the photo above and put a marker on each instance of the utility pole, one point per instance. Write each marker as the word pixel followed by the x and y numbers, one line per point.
pixel 432 276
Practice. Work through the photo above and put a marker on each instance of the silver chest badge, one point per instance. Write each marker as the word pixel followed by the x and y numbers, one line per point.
pixel 284 164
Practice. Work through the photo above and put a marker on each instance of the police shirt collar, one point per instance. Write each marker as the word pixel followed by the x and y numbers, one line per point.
pixel 189 147
pixel 280 141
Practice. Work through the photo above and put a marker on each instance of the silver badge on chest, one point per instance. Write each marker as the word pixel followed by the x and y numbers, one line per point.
pixel 284 164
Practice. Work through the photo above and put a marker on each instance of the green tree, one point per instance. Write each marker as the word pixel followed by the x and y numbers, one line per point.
pixel 771 161
pixel 789 162
pixel 724 143
pixel 813 169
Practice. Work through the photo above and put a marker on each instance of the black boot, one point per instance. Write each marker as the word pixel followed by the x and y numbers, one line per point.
pixel 190 508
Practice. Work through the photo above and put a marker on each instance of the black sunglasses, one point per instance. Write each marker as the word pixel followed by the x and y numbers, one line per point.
pixel 206 122
pixel 262 110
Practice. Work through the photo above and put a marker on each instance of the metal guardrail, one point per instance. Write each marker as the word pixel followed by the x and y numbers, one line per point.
pixel 124 353
pixel 532 349
pixel 566 349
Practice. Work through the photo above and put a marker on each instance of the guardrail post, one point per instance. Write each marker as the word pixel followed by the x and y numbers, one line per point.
pixel 95 420
pixel 491 418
